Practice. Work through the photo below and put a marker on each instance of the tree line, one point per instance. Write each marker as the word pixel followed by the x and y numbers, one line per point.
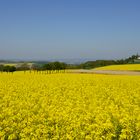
pixel 7 68
pixel 51 66
pixel 61 66
pixel 101 63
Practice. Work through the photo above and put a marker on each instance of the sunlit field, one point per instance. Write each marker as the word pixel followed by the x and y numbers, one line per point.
pixel 126 67
pixel 69 106
pixel 15 64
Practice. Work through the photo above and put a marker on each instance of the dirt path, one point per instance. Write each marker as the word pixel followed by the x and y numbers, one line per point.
pixel 112 72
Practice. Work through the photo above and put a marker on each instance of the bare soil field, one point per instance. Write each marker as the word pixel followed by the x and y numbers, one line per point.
pixel 112 72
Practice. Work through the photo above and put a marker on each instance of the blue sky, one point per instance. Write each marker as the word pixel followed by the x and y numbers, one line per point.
pixel 65 29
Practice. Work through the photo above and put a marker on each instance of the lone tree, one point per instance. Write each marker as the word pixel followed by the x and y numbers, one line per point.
pixel 47 67
pixel 1 68
pixel 24 67
pixel 56 66
pixel 36 67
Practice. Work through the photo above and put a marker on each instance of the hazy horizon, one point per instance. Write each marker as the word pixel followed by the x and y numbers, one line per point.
pixel 74 29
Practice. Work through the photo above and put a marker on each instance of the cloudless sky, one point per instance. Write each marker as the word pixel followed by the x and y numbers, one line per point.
pixel 64 29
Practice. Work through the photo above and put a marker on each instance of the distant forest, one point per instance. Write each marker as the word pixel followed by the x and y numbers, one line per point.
pixel 101 63
pixel 57 66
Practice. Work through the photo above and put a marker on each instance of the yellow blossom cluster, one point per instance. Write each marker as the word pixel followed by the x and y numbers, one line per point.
pixel 69 107
pixel 126 67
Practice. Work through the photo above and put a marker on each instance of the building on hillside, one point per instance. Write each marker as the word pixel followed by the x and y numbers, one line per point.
pixel 137 61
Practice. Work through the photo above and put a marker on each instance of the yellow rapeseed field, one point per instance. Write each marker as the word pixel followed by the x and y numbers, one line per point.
pixel 126 67
pixel 69 107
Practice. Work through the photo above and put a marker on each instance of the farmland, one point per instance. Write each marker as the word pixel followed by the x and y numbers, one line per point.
pixel 69 106
pixel 126 67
